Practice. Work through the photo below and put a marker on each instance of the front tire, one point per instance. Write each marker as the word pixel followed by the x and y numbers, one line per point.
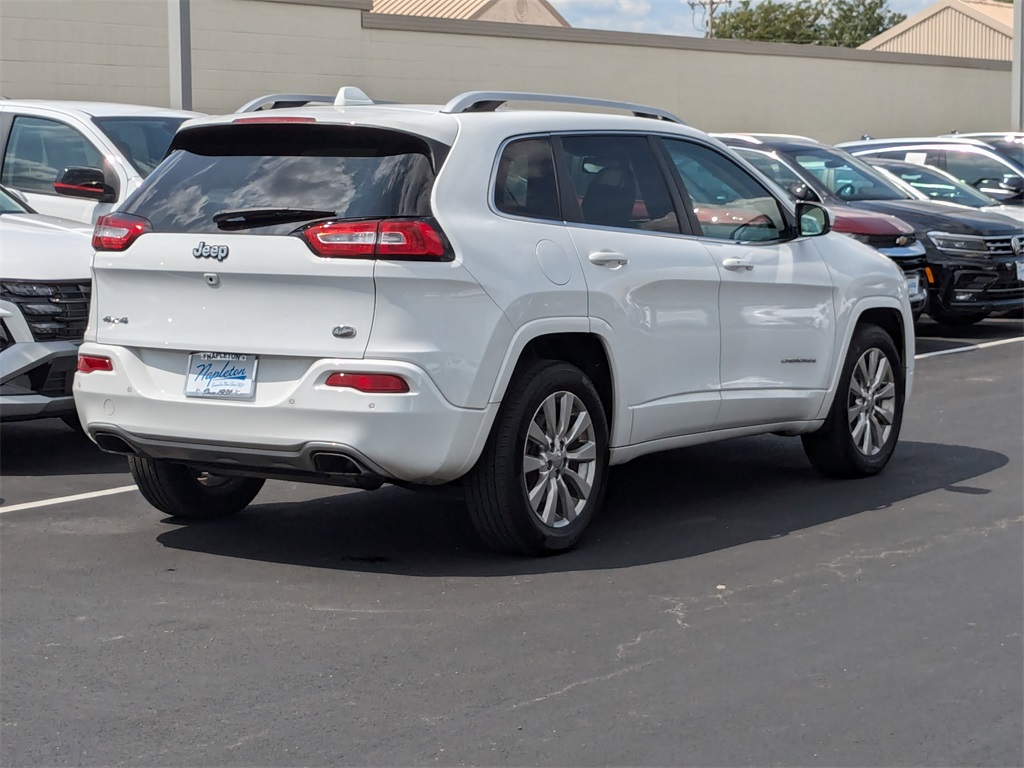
pixel 191 494
pixel 956 319
pixel 540 480
pixel 863 425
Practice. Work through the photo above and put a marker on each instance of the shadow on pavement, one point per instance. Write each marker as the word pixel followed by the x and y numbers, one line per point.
pixel 48 448
pixel 664 507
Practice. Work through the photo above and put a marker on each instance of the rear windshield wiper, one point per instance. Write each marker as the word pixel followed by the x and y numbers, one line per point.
pixel 247 218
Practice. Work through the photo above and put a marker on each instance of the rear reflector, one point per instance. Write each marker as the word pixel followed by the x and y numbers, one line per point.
pixel 90 363
pixel 368 382
pixel 416 239
pixel 116 231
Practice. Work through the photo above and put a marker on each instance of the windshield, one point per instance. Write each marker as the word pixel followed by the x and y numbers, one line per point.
pixel 939 186
pixel 844 176
pixel 10 204
pixel 771 167
pixel 269 178
pixel 142 140
pixel 1014 150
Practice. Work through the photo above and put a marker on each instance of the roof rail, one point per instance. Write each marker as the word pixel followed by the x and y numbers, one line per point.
pixel 283 101
pixel 488 101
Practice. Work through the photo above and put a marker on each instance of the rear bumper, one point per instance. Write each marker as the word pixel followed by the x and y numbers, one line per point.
pixel 414 437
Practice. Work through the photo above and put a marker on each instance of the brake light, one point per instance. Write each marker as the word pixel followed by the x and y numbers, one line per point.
pixel 116 231
pixel 368 382
pixel 277 119
pixel 416 239
pixel 90 363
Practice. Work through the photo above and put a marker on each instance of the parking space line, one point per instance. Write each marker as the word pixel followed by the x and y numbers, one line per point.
pixel 66 499
pixel 971 348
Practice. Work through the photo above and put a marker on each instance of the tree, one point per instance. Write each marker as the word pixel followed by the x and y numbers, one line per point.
pixel 819 22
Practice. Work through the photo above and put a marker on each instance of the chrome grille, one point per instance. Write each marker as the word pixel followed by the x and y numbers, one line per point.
pixel 999 246
pixel 54 311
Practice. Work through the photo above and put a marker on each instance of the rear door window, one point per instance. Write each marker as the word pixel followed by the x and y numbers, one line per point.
pixel 340 171
pixel 618 182
pixel 39 150
pixel 525 184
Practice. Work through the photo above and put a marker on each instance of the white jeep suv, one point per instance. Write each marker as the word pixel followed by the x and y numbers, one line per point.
pixel 355 294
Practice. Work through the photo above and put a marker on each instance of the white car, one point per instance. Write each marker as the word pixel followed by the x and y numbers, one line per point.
pixel 81 159
pixel 44 305
pixel 508 299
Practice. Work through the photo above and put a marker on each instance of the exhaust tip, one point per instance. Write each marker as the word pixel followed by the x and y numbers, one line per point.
pixel 336 464
pixel 113 444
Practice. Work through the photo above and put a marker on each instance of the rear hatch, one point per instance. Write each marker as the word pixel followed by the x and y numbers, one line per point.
pixel 218 250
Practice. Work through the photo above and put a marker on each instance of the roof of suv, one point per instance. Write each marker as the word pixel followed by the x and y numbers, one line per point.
pixel 442 122
pixel 915 140
pixel 780 141
pixel 97 108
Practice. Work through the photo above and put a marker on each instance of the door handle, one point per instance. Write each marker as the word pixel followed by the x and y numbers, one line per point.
pixel 608 259
pixel 737 265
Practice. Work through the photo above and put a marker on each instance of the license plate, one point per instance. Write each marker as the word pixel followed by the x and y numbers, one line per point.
pixel 913 285
pixel 219 374
pixel 1020 270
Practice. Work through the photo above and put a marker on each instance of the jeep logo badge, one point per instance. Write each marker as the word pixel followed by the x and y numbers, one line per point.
pixel 1017 243
pixel 204 251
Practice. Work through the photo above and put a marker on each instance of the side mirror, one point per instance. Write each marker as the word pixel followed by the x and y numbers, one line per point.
pixel 801 191
pixel 1012 182
pixel 89 183
pixel 812 219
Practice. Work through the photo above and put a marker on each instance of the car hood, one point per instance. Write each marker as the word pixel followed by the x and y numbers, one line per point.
pixel 44 248
pixel 927 216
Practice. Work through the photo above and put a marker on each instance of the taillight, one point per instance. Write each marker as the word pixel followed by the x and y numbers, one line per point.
pixel 368 382
pixel 405 238
pixel 116 231
pixel 90 363
pixel 340 239
pixel 417 239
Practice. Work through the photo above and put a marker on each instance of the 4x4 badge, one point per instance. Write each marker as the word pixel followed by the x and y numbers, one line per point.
pixel 204 251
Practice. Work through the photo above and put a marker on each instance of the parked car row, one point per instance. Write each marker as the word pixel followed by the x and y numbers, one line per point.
pixel 352 293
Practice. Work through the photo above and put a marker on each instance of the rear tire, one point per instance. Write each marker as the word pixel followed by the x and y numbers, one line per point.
pixel 190 494
pixel 863 424
pixel 72 421
pixel 540 480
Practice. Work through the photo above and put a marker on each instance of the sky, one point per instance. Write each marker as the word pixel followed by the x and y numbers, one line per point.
pixel 667 17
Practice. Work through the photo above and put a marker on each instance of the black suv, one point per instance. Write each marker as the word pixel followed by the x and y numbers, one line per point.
pixel 975 260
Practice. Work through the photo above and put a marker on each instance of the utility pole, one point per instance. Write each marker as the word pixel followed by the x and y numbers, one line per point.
pixel 179 53
pixel 1017 70
pixel 710 8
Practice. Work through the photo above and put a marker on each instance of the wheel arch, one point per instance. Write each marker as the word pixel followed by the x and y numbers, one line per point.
pixel 888 314
pixel 571 342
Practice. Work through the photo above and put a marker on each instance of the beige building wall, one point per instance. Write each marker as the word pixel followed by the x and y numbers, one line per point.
pixel 112 50
pixel 954 33
pixel 245 48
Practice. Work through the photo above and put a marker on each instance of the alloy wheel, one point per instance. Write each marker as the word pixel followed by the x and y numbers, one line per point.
pixel 871 404
pixel 559 459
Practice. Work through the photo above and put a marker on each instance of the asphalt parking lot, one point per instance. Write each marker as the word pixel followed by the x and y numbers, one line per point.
pixel 731 607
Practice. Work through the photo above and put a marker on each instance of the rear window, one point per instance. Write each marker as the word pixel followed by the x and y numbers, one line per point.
pixel 346 172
